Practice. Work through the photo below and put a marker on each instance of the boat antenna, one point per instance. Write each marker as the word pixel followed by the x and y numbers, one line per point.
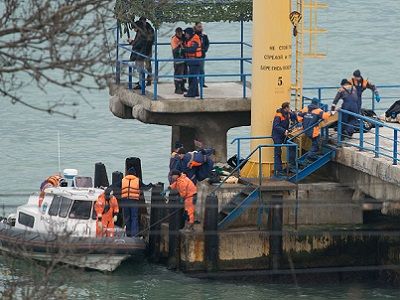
pixel 59 152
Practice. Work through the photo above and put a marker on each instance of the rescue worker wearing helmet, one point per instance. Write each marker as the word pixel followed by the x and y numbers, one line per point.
pixel 361 85
pixel 107 209
pixel 188 191
pixel 349 94
pixel 130 195
pixel 310 117
pixel 280 131
pixel 193 52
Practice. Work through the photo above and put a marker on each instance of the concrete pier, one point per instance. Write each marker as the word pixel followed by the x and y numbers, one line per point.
pixel 207 120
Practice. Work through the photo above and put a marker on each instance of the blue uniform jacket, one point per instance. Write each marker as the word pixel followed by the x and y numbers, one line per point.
pixel 280 124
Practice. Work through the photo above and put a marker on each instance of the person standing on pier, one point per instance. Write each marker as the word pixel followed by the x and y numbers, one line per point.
pixel 107 209
pixel 149 36
pixel 130 195
pixel 280 131
pixel 179 66
pixel 188 191
pixel 349 94
pixel 193 52
pixel 310 116
pixel 139 44
pixel 205 44
pixel 361 85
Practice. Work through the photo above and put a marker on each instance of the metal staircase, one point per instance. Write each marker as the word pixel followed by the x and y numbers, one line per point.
pixel 239 203
pixel 306 168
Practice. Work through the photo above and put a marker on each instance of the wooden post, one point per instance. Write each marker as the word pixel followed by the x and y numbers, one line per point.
pixel 157 203
pixel 275 239
pixel 211 241
pixel 175 224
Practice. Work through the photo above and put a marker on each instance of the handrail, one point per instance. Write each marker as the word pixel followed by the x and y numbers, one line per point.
pixel 320 90
pixel 258 148
pixel 375 148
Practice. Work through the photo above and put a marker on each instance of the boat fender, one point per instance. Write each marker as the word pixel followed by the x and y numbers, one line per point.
pixel 119 241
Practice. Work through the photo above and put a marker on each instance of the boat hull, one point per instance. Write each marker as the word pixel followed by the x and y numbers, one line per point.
pixel 103 254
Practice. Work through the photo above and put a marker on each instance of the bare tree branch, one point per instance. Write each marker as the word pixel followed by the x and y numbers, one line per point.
pixel 59 44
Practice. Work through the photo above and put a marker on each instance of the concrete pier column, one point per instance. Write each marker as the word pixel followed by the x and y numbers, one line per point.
pixel 275 239
pixel 211 240
pixel 175 224
pixel 185 135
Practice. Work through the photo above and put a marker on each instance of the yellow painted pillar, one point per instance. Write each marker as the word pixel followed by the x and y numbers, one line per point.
pixel 271 79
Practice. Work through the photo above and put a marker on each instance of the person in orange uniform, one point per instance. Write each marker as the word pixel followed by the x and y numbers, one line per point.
pixel 361 85
pixel 179 66
pixel 310 116
pixel 188 191
pixel 52 181
pixel 107 209
pixel 130 195
pixel 193 52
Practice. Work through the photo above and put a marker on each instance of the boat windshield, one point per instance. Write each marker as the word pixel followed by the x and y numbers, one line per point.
pixel 81 210
pixel 60 206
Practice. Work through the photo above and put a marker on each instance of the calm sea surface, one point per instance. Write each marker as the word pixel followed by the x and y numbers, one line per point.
pixel 361 34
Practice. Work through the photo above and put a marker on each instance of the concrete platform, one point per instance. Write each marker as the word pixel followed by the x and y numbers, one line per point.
pixel 375 177
pixel 215 90
pixel 207 120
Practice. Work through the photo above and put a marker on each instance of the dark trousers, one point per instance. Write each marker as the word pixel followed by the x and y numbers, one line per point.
pixel 194 69
pixel 313 153
pixel 131 216
pixel 202 79
pixel 148 66
pixel 179 70
pixel 349 124
pixel 278 156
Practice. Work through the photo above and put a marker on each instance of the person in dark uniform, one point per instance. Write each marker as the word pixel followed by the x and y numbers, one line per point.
pixel 361 85
pixel 280 131
pixel 349 94
pixel 193 51
pixel 205 44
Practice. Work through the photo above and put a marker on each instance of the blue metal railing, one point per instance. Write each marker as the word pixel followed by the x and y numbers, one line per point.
pixel 259 160
pixel 157 61
pixel 327 94
pixel 366 142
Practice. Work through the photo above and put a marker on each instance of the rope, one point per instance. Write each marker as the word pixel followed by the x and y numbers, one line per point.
pixel 158 222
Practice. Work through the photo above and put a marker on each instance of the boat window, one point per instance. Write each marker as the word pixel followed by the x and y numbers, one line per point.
pixel 55 206
pixel 94 214
pixel 64 207
pixel 26 219
pixel 81 210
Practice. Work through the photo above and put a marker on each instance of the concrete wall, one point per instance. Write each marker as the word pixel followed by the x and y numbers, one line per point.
pixel 319 203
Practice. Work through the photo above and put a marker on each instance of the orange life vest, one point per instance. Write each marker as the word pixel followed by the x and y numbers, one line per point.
pixel 54 180
pixel 199 53
pixel 130 187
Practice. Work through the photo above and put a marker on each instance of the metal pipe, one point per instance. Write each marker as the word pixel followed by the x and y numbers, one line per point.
pixel 155 79
pixel 376 141
pixel 395 147
pixel 241 50
pixel 361 135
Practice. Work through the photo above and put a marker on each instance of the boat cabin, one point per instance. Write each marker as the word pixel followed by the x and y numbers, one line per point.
pixel 64 211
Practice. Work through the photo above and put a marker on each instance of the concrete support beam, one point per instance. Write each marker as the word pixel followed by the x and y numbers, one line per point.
pixel 205 120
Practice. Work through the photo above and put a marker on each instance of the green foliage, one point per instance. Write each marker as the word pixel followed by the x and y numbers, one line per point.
pixel 188 11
